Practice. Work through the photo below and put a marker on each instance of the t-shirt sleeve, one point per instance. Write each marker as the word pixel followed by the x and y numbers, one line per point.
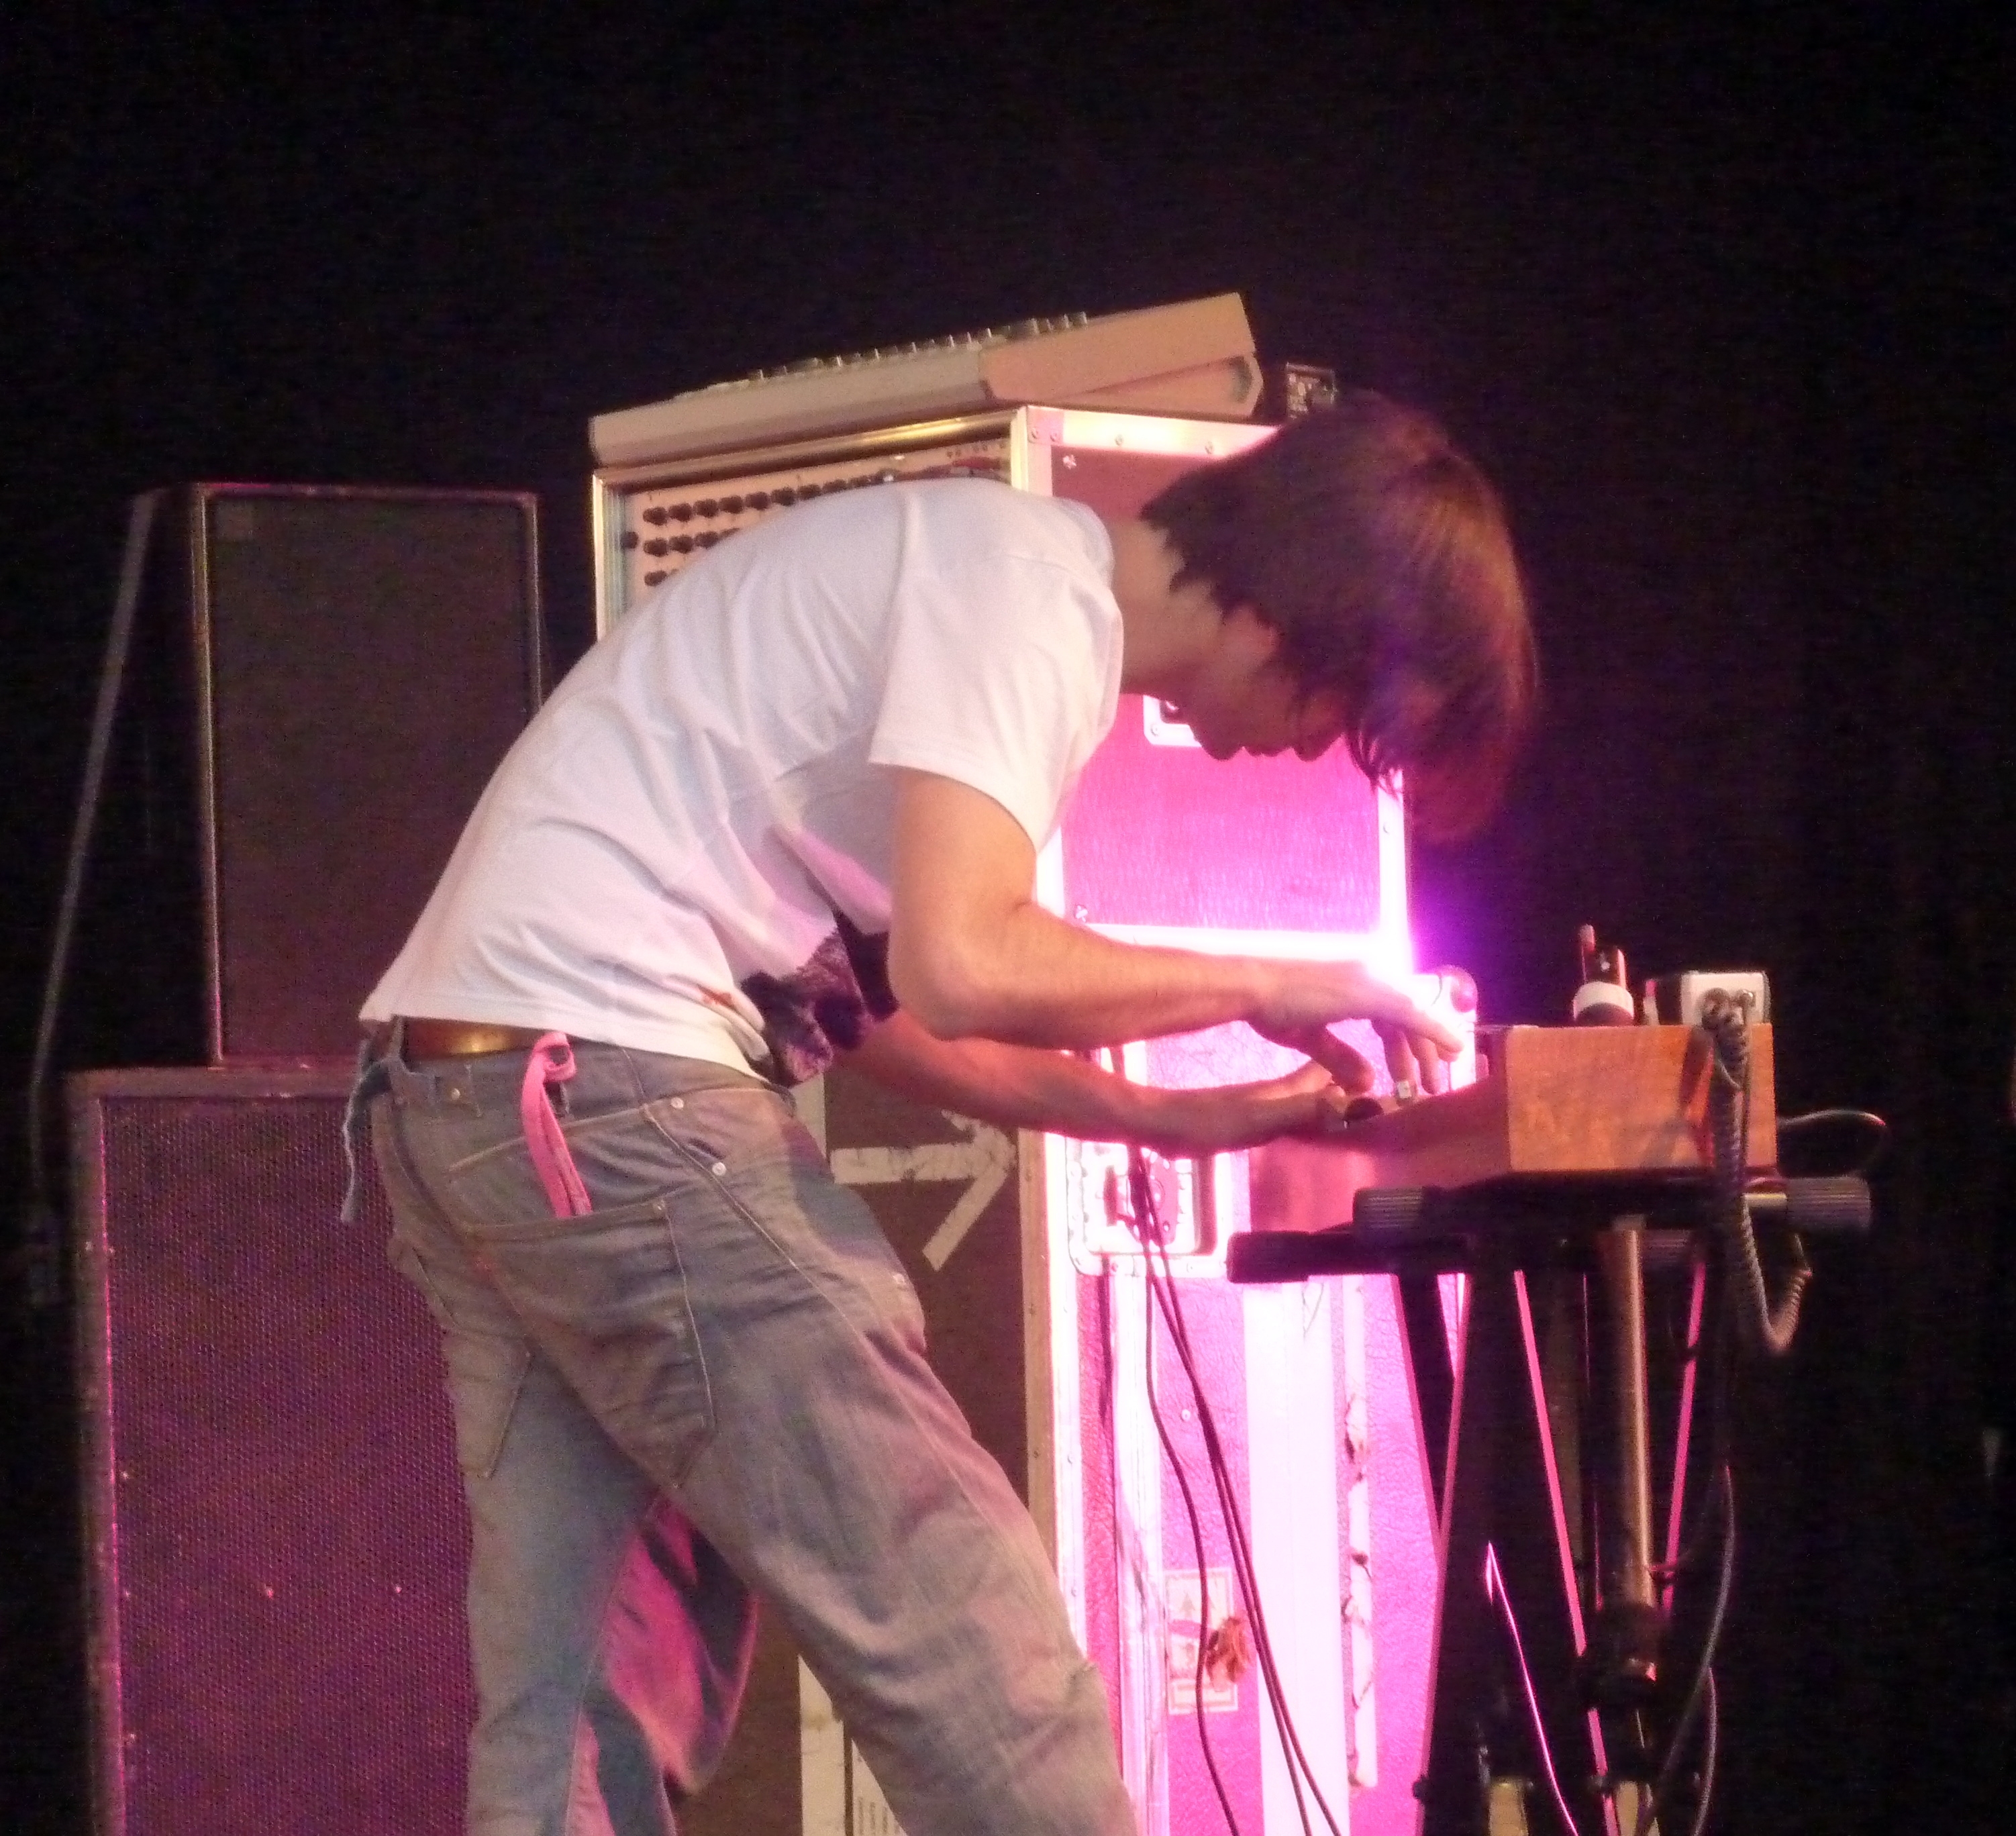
pixel 1000 676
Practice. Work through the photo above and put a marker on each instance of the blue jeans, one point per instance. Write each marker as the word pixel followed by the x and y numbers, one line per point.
pixel 713 1386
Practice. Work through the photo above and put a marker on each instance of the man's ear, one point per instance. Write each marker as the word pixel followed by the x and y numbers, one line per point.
pixel 1257 642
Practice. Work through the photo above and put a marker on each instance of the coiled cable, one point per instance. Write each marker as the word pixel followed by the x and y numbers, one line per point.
pixel 1765 1326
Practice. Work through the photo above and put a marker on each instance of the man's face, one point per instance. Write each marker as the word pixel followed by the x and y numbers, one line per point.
pixel 1241 700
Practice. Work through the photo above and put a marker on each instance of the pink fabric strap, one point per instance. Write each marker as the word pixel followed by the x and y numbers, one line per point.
pixel 551 1062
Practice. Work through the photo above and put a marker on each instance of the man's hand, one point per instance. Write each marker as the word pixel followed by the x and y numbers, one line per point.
pixel 1296 1013
pixel 1220 1118
pixel 972 955
pixel 1018 1087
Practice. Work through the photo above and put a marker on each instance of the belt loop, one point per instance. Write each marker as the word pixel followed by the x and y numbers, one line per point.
pixel 375 1057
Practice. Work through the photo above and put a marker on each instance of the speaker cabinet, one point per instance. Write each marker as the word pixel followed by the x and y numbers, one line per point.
pixel 321 682
pixel 276 1532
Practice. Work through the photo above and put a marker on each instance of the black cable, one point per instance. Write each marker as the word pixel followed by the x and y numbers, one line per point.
pixel 1497 1578
pixel 1719 1365
pixel 1240 1546
pixel 1153 1391
pixel 1154 1237
pixel 1146 1227
pixel 1704 1683
pixel 1715 1353
pixel 1196 1542
pixel 1878 1129
pixel 1834 1157
pixel 1714 1358
pixel 1162 1286
pixel 1244 1569
pixel 1761 1325
pixel 1711 1746
pixel 1767 1328
pixel 1203 1585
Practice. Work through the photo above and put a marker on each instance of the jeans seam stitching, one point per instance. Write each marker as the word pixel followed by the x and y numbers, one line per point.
pixel 474 1239
pixel 527 1344
pixel 947 1470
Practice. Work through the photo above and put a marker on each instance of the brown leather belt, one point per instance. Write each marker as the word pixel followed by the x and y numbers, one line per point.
pixel 466 1039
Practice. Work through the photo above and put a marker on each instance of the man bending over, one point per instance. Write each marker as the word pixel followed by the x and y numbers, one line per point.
pixel 788 812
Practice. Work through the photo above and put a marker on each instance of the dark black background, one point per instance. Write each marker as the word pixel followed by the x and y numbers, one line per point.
pixel 1723 304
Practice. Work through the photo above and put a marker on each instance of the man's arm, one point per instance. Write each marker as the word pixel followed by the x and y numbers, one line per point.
pixel 971 954
pixel 1021 1087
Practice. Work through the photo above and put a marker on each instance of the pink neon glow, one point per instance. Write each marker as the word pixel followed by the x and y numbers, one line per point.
pixel 1406 1567
pixel 1543 1428
pixel 1556 1511
pixel 1677 1499
pixel 1164 835
pixel 1273 857
pixel 1494 1587
pixel 1405 1559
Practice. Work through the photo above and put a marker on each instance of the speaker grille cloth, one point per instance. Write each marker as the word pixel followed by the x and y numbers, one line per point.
pixel 291 1534
pixel 370 668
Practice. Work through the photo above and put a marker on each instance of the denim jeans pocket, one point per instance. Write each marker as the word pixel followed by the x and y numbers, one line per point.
pixel 604 1296
pixel 763 1163
pixel 745 1136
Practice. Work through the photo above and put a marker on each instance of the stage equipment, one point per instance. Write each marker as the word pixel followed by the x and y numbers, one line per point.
pixel 305 694
pixel 1549 1101
pixel 1291 390
pixel 1605 997
pixel 1028 1252
pixel 1679 1000
pixel 1194 358
pixel 276 1531
pixel 1527 1218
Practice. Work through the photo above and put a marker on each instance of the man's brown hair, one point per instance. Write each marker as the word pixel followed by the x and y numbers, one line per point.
pixel 1381 555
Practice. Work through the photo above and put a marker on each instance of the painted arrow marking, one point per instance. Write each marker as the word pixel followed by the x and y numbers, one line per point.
pixel 983 1160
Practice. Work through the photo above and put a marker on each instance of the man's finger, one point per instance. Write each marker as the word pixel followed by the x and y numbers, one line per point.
pixel 1323 1047
pixel 1408 1078
pixel 1388 1007
pixel 1426 1057
pixel 1343 1063
pixel 1304 1080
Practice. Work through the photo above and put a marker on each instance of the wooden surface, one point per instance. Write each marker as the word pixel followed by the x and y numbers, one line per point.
pixel 1560 1101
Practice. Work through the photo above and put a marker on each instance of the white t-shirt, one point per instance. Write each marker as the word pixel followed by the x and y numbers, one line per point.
pixel 689 850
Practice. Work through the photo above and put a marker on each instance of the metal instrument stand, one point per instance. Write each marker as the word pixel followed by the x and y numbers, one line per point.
pixel 1551 1619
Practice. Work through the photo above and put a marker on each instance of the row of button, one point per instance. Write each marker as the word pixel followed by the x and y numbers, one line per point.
pixel 680 544
pixel 784 495
pixel 734 504
pixel 737 502
pixel 999 334
pixel 779 497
